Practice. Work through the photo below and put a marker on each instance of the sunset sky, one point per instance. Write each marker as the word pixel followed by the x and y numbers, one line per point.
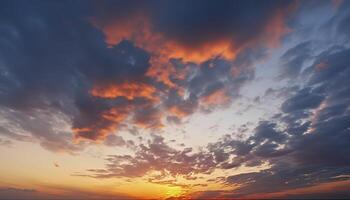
pixel 174 99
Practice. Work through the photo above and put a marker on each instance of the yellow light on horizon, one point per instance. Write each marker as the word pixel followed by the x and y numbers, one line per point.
pixel 174 192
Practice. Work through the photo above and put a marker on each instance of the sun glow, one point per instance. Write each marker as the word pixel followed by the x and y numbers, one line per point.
pixel 174 192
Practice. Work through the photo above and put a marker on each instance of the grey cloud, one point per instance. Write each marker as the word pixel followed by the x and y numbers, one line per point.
pixel 114 140
pixel 304 99
pixel 294 58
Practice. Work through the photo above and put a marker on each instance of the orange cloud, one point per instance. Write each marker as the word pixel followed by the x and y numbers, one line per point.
pixel 117 114
pixel 218 97
pixel 108 123
pixel 138 29
pixel 161 71
pixel 128 90
pixel 177 111
pixel 93 132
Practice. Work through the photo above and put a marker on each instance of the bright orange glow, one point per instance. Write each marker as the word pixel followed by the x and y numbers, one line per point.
pixel 129 90
pixel 177 111
pixel 174 192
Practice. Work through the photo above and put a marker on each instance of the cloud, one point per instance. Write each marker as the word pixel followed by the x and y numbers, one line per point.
pixel 306 145
pixel 114 140
pixel 217 97
pixel 93 88
pixel 193 31
pixel 304 99
pixel 158 156
pixel 155 156
pixel 61 84
pixel 127 90
pixel 293 60
pixel 317 147
pixel 51 131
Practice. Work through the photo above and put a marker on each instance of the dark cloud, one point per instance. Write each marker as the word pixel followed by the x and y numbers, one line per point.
pixel 318 147
pixel 16 193
pixel 281 177
pixel 304 99
pixel 341 21
pixel 294 58
pixel 114 140
pixel 55 61
pixel 40 54
pixel 195 22
pixel 194 25
pixel 266 130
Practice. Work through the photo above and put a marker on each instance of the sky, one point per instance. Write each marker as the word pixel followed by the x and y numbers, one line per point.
pixel 174 99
